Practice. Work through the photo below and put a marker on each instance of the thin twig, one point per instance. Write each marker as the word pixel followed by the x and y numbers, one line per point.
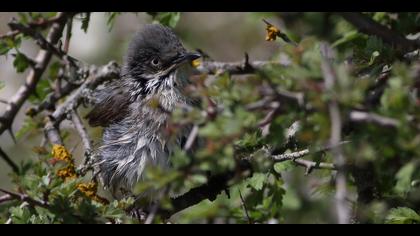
pixel 214 67
pixel 191 138
pixel 87 143
pixel 250 221
pixel 81 130
pixel 9 161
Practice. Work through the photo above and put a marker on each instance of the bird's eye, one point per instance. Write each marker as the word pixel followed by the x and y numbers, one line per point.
pixel 155 62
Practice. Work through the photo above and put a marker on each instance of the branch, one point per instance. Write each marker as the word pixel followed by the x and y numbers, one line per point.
pixel 246 67
pixel 309 165
pixel 42 60
pixel 41 23
pixel 87 143
pixel 9 161
pixel 6 198
pixel 369 117
pixel 96 77
pixel 26 198
pixel 41 41
pixel 214 186
pixel 329 75
pixel 368 26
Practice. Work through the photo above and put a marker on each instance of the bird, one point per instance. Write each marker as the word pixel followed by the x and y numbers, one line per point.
pixel 135 109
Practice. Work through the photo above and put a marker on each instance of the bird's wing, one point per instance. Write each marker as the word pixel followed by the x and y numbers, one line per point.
pixel 112 106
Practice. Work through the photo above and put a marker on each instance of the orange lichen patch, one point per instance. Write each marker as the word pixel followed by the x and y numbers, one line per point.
pixel 90 190
pixel 60 153
pixel 67 172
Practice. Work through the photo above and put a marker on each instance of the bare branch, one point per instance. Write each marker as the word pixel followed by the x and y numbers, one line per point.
pixel 78 124
pixel 6 198
pixel 369 117
pixel 9 161
pixel 87 143
pixel 328 72
pixel 246 67
pixel 51 132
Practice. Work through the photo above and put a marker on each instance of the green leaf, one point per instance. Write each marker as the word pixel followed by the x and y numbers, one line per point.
pixel 167 18
pixel 21 62
pixel 111 19
pixel 257 181
pixel 4 47
pixel 403 177
pixel 402 215
pixel 348 37
pixel 283 166
pixel 28 126
pixel 375 54
pixel 2 84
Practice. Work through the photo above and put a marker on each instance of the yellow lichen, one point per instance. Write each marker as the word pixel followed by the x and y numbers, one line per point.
pixel 67 172
pixel 90 190
pixel 272 32
pixel 59 152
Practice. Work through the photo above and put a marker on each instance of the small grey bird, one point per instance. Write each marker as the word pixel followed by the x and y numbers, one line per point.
pixel 135 108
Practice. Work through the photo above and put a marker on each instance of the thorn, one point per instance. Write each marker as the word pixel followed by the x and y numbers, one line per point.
pixel 309 169
pixel 268 23
pixel 12 135
pixel 247 66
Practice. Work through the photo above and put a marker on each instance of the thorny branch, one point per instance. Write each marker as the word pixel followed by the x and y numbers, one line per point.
pixel 41 60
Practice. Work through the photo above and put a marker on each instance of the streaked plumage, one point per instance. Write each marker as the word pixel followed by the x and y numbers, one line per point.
pixel 155 71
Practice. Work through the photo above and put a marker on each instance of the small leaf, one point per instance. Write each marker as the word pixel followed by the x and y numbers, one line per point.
pixel 111 19
pixel 257 181
pixel 4 48
pixel 402 215
pixel 21 62
pixel 375 54
pixel 283 166
pixel 403 177
pixel 167 18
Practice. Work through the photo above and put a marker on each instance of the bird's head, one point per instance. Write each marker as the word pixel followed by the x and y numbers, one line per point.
pixel 154 53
